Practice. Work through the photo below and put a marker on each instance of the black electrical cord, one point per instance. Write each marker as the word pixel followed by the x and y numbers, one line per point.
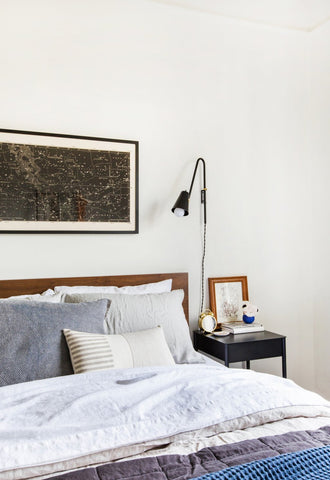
pixel 203 270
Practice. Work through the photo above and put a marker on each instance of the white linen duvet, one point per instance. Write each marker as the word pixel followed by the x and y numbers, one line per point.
pixel 64 419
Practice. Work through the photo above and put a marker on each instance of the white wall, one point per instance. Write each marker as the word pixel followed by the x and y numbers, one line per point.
pixel 320 158
pixel 185 84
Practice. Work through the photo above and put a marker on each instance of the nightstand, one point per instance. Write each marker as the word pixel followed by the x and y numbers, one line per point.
pixel 242 347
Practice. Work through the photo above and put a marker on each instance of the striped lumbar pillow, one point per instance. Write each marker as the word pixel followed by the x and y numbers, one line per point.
pixel 90 351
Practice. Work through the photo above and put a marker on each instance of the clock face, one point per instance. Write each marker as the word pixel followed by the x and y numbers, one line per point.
pixel 209 323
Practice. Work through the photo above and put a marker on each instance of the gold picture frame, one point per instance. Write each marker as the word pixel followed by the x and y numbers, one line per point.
pixel 226 297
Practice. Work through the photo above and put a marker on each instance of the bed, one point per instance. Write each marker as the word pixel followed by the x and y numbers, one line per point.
pixel 183 418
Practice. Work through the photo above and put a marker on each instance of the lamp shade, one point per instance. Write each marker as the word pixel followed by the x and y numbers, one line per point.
pixel 181 207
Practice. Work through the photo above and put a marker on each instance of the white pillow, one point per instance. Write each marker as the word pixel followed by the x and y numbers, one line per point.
pixel 129 313
pixel 91 351
pixel 48 296
pixel 158 287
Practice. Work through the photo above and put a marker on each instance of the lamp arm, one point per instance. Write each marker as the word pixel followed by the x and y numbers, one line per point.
pixel 203 191
pixel 203 201
pixel 181 208
pixel 194 174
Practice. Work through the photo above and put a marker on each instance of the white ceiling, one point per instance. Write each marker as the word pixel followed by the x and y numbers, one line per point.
pixel 303 15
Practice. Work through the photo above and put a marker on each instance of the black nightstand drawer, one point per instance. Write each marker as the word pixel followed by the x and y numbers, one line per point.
pixel 255 350
pixel 242 347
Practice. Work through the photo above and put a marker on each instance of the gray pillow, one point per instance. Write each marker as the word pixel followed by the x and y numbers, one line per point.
pixel 131 313
pixel 32 345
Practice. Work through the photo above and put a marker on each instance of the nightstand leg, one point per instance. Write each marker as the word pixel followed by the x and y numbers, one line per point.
pixel 283 359
pixel 248 364
pixel 226 357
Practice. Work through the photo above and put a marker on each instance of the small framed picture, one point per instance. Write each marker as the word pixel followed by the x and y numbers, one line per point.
pixel 226 297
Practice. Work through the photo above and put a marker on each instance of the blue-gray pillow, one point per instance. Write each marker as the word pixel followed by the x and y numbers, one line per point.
pixel 32 344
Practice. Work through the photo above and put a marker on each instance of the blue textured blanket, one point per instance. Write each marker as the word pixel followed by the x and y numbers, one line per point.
pixel 312 464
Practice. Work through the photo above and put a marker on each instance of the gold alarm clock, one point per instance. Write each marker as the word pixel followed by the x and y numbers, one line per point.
pixel 207 321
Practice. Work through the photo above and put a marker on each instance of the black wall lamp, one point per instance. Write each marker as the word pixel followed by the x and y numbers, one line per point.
pixel 181 209
pixel 181 206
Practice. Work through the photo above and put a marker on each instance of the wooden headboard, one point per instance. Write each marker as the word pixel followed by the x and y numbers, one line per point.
pixel 38 285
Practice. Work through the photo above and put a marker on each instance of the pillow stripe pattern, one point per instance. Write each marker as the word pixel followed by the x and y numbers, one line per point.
pixel 89 351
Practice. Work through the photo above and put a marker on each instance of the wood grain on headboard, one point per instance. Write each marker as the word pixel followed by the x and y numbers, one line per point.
pixel 38 285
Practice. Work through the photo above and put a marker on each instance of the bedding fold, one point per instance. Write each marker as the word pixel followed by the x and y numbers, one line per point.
pixel 52 420
pixel 249 459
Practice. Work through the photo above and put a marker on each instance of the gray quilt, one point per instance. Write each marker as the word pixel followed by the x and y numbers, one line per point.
pixel 213 459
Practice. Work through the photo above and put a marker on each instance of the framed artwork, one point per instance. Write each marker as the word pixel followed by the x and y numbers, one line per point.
pixel 52 183
pixel 226 297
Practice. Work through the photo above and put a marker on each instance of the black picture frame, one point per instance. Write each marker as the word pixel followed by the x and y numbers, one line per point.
pixel 77 146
